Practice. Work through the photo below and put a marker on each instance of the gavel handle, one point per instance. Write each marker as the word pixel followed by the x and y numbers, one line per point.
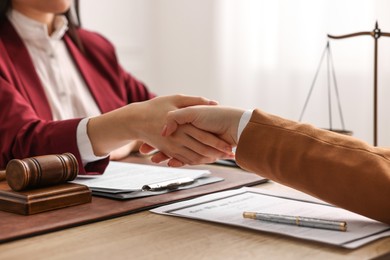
pixel 2 175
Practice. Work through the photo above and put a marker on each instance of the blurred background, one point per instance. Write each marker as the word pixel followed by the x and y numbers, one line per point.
pixel 255 53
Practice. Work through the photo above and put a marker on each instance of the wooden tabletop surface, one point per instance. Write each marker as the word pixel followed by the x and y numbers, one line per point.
pixel 146 235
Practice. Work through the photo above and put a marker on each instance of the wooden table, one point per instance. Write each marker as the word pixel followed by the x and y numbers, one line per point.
pixel 147 235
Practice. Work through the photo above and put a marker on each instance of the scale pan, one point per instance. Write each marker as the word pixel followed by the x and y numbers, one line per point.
pixel 340 131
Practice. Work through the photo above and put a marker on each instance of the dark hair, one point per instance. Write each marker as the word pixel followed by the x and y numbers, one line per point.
pixel 5 5
pixel 74 23
pixel 73 19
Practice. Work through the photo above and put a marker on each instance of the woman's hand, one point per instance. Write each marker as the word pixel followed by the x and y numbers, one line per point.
pixel 124 151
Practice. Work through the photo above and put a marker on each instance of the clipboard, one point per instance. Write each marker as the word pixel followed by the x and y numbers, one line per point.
pixel 144 193
pixel 128 181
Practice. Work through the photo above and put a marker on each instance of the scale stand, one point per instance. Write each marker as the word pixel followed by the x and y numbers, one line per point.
pixel 376 34
pixel 330 74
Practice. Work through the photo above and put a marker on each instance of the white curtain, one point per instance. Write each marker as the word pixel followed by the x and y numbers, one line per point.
pixel 269 51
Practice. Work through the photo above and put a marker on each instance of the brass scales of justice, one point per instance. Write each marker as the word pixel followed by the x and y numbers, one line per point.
pixel 376 34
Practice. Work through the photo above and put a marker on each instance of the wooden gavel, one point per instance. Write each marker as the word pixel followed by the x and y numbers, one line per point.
pixel 40 171
pixel 2 175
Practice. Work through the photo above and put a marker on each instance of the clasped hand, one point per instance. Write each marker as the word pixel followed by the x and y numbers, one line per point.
pixel 209 127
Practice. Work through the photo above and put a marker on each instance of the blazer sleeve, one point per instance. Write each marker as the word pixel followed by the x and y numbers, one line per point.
pixel 25 134
pixel 339 169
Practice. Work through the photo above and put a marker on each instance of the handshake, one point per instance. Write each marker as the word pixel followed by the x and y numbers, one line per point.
pixel 204 132
pixel 182 129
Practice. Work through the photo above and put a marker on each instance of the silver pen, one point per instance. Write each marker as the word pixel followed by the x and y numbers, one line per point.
pixel 298 221
pixel 168 185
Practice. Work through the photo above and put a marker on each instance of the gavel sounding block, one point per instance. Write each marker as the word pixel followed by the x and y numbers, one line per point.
pixel 42 199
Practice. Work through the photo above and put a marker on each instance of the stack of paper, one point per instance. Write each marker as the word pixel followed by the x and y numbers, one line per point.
pixel 126 180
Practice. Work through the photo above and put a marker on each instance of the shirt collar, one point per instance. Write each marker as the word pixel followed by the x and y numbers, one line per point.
pixel 34 31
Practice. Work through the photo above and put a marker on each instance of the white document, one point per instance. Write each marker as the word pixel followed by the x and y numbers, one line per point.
pixel 227 208
pixel 127 177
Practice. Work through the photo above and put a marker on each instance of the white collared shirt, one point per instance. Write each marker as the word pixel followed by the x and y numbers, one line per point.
pixel 64 86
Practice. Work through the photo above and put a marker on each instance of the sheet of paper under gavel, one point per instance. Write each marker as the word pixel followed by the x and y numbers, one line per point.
pixel 41 171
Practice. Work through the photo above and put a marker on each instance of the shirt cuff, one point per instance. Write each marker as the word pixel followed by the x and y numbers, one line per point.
pixel 84 144
pixel 246 116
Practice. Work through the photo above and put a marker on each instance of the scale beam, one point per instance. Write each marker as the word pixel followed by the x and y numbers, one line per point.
pixel 376 34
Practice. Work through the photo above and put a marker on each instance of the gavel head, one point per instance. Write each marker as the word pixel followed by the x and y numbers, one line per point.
pixel 41 171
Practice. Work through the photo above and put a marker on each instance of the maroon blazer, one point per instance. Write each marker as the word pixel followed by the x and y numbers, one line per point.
pixel 26 125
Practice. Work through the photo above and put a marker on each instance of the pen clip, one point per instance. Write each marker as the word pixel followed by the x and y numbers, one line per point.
pixel 168 185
